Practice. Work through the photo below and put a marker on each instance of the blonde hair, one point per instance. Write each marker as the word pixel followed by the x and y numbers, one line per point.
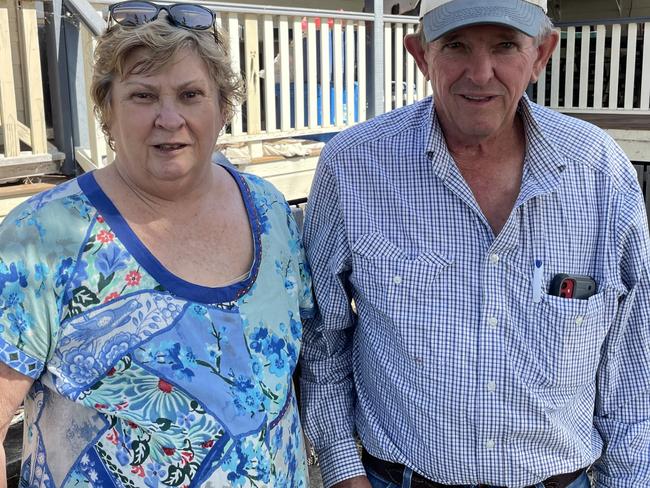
pixel 162 41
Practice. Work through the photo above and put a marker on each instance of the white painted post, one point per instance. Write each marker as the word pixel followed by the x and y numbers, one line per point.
pixel 398 50
pixel 338 72
pixel 312 74
pixel 285 78
pixel 361 69
pixel 645 69
pixel 349 71
pixel 298 77
pixel 584 66
pixel 600 66
pixel 410 70
pixel 630 68
pixel 269 75
pixel 568 75
pixel 614 63
pixel 236 124
pixel 325 72
pixel 555 74
pixel 388 68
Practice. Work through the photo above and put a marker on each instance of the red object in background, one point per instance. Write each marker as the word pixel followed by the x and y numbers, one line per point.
pixel 317 21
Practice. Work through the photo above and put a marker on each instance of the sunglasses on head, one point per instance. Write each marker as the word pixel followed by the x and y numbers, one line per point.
pixel 189 16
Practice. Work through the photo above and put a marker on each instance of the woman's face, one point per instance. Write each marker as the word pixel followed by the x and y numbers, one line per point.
pixel 165 124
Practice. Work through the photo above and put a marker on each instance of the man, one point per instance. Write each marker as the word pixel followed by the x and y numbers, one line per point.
pixel 496 255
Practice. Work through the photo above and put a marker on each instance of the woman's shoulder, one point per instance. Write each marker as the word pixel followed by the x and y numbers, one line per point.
pixel 261 187
pixel 50 216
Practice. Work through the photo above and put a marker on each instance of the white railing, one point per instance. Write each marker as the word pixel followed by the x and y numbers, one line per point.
pixel 306 71
pixel 599 67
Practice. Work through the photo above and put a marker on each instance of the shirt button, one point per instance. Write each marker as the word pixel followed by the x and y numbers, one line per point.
pixel 579 320
pixel 493 322
pixel 397 279
pixel 489 444
pixel 494 258
pixel 491 386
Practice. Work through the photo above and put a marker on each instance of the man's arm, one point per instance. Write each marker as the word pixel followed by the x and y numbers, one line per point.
pixel 13 389
pixel 327 390
pixel 622 414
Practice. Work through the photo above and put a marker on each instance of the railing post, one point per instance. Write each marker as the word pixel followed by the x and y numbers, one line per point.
pixel 62 53
pixel 9 114
pixel 376 61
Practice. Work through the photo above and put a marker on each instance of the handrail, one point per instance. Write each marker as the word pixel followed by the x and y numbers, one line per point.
pixel 87 15
pixel 610 21
pixel 267 9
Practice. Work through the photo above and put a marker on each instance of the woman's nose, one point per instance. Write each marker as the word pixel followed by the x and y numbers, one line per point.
pixel 169 116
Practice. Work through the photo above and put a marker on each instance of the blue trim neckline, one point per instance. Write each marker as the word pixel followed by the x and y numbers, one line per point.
pixel 169 281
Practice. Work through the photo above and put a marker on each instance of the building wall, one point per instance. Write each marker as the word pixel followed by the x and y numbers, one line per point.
pixel 575 10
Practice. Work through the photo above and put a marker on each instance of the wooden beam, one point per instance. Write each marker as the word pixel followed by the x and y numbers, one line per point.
pixel 32 69
pixel 8 112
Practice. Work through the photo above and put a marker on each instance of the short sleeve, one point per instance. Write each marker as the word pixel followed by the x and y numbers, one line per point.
pixel 34 269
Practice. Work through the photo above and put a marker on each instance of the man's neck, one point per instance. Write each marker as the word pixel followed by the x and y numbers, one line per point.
pixel 508 146
pixel 493 170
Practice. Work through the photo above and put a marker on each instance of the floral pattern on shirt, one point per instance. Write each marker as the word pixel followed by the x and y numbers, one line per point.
pixel 157 388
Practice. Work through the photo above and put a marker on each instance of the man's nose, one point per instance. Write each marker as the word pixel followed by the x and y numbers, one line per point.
pixel 480 69
pixel 169 116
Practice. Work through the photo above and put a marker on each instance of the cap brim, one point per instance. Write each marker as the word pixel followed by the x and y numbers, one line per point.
pixel 517 14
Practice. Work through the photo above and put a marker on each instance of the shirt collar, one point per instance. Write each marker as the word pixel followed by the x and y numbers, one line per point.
pixel 543 163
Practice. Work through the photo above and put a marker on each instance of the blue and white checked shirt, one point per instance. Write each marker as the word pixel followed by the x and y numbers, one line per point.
pixel 446 364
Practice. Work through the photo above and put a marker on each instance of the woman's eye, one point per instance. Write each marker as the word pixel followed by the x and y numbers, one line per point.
pixel 142 96
pixel 191 94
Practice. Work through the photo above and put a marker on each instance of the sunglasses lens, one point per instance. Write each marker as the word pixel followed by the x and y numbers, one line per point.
pixel 133 13
pixel 192 16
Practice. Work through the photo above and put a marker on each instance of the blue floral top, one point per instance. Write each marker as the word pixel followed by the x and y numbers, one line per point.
pixel 141 378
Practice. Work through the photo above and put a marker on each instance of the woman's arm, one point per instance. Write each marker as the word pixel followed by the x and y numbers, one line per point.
pixel 13 389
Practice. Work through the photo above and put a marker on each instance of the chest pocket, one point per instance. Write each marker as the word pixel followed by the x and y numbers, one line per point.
pixel 559 346
pixel 397 292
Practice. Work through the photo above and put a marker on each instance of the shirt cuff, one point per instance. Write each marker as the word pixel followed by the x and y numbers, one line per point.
pixel 339 462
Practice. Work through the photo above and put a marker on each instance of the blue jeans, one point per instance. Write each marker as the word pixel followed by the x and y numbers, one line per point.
pixel 377 482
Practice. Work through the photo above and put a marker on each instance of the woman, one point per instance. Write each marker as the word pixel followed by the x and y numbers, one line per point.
pixel 151 309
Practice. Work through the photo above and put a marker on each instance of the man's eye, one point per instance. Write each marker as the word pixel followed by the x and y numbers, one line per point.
pixel 452 45
pixel 508 45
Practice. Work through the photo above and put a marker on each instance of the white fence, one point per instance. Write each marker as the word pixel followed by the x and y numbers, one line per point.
pixel 306 71
pixel 599 67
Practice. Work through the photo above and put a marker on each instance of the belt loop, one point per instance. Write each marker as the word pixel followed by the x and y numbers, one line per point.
pixel 406 477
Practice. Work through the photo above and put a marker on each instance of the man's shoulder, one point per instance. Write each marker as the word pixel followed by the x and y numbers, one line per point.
pixel 583 143
pixel 382 131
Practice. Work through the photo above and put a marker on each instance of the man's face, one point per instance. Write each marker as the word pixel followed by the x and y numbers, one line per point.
pixel 478 75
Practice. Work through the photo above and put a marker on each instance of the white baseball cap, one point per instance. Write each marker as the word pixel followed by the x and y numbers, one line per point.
pixel 442 16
